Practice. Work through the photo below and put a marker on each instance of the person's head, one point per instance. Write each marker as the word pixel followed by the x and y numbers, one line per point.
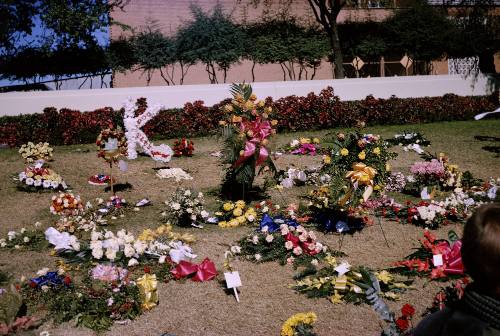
pixel 481 248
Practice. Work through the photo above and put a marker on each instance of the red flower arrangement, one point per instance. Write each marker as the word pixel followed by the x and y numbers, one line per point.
pixel 404 321
pixel 423 262
pixel 183 147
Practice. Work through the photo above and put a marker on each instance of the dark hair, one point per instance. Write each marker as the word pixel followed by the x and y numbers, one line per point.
pixel 481 247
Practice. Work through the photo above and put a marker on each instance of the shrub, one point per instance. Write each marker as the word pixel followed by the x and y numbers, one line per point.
pixel 294 113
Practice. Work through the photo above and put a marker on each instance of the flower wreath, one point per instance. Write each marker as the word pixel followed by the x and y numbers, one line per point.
pixel 102 139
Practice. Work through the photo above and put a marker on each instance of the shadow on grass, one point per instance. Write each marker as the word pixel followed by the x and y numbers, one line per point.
pixel 490 148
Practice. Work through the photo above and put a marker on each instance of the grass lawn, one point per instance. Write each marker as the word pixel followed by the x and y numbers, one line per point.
pixel 191 308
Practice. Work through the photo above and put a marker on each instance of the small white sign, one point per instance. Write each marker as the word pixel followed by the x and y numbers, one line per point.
pixel 437 260
pixel 342 268
pixel 123 165
pixel 232 279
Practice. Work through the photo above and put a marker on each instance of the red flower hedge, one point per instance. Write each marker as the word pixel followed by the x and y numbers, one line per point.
pixel 195 119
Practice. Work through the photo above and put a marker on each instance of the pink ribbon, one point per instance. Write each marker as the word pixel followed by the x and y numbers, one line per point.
pixel 260 131
pixel 452 258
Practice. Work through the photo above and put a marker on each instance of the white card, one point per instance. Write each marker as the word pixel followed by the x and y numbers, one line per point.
pixel 424 194
pixel 232 279
pixel 123 165
pixel 437 260
pixel 342 268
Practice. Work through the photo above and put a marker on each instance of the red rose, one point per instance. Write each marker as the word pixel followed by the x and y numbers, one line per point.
pixel 408 310
pixel 402 323
pixel 67 280
pixel 32 284
pixel 147 269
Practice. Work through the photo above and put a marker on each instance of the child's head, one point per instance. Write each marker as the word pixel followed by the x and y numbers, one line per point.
pixel 481 248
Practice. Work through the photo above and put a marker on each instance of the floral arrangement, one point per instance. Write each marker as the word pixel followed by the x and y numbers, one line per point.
pixel 93 303
pixel 409 140
pixel 66 204
pixel 298 177
pixel 111 145
pixel 396 182
pixel 283 240
pixel 100 179
pixel 33 152
pixel 186 208
pixel 123 248
pixel 449 295
pixel 428 173
pixel 233 214
pixel 299 325
pixel 438 259
pixel 176 173
pixel 303 146
pixel 114 206
pixel 404 322
pixel 340 283
pixel 35 178
pixel 25 238
pixel 87 222
pixel 183 147
pixel 327 206
pixel 246 136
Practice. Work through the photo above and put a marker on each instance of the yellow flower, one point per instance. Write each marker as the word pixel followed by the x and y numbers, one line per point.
pixel 236 119
pixel 237 212
pixel 218 213
pixel 228 206
pixel 377 187
pixel 288 328
pixel 327 159
pixel 240 204
pixel 376 151
pixel 344 152
pixel 384 276
pixel 223 224
pixel 228 108
pixel 336 297
pixel 305 140
pixel 387 167
pixel 274 122
pixel 233 223
pixel 261 103
pixel 249 105
pixel 362 155
pixel 316 140
pixel 241 219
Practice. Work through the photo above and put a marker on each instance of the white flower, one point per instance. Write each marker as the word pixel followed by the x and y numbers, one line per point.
pixel 204 214
pixel 47 184
pixel 44 333
pixel 257 257
pixel 45 288
pixel 3 244
pixel 128 251
pixel 287 182
pixel 289 245
pixel 189 210
pixel 37 183
pixel 97 253
pixel 175 206
pixel 314 262
pixel 132 262
pixel 95 235
pixel 110 301
pixel 187 192
pixel 140 246
pixel 301 176
pixel 255 240
pixel 264 229
pixel 29 181
pixel 54 184
pixel 236 249
pixel 269 238
pixel 26 239
pixel 11 235
pixel 43 271
pixel 200 195
pixel 17 247
pixel 294 143
pixel 265 209
pixel 161 260
pixel 38 224
pixel 23 230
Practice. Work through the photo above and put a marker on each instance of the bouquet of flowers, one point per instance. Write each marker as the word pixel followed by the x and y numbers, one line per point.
pixel 93 303
pixel 340 283
pixel 176 173
pixel 449 295
pixel 404 322
pixel 31 152
pixel 26 238
pixel 299 325
pixel 428 173
pixel 233 214
pixel 396 182
pixel 66 204
pixel 409 141
pixel 283 240
pixel 186 208
pixel 100 180
pixel 246 136
pixel 39 178
pixel 183 147
pixel 297 177
pixel 439 259
pixel 115 206
pixel 303 146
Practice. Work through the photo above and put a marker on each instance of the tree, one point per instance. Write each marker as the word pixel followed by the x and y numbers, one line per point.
pixel 17 20
pixel 154 51
pixel 213 39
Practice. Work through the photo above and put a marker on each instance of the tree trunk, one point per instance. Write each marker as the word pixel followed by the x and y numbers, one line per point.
pixel 338 59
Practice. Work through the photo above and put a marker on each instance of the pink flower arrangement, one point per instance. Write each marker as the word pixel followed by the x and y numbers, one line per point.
pixel 428 168
pixel 108 273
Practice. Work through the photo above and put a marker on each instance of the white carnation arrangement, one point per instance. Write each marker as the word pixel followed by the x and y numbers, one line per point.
pixel 186 208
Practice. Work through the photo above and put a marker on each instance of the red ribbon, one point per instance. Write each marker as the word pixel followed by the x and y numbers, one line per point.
pixel 260 130
pixel 203 272
pixel 452 259
pixel 304 245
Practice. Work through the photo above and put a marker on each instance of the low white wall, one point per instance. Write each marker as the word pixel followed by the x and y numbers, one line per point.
pixel 15 103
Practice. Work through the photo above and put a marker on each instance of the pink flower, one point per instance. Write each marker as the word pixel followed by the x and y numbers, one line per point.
pixel 290 260
pixel 297 251
pixel 289 245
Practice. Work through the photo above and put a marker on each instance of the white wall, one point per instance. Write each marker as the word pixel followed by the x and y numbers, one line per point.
pixel 15 103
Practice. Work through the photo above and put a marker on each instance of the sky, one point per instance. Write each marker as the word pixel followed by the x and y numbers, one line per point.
pixel 39 31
